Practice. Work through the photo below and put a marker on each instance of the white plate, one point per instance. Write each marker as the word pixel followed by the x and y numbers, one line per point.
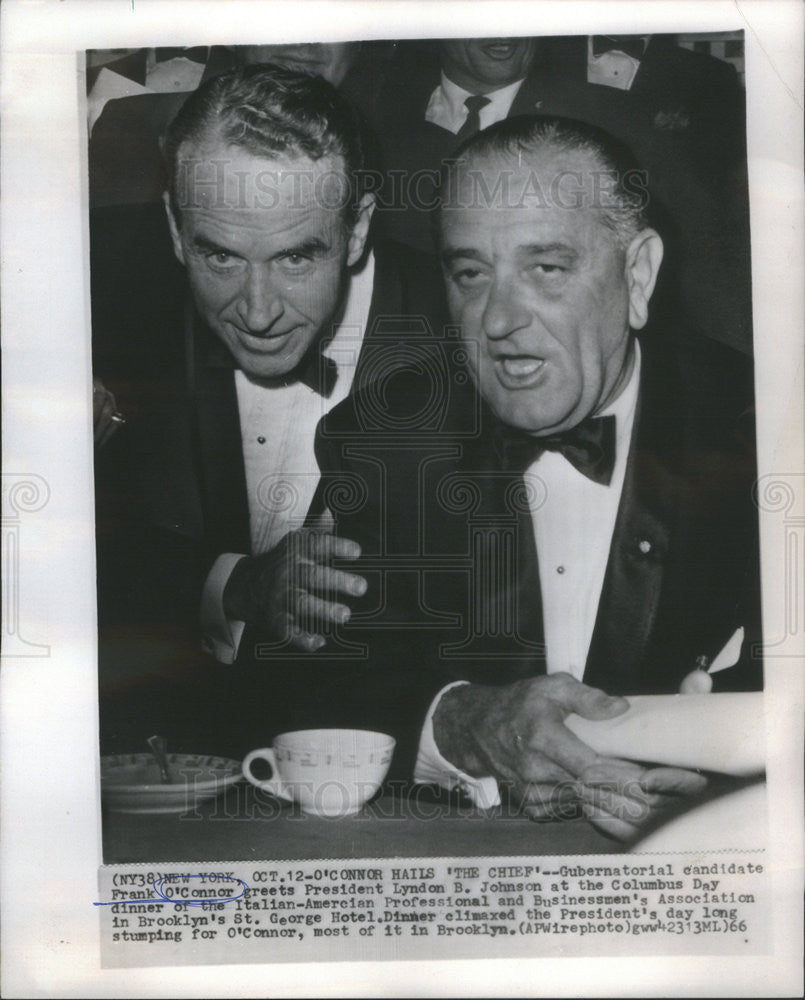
pixel 130 782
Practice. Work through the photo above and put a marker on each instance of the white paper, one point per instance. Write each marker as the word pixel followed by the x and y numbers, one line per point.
pixel 711 732
pixel 51 828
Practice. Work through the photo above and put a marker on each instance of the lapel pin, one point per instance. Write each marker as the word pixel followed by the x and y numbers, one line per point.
pixel 644 546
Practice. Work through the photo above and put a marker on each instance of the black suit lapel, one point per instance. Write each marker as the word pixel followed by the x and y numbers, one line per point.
pixel 505 601
pixel 217 443
pixel 646 523
pixel 406 312
pixel 530 98
pixel 386 306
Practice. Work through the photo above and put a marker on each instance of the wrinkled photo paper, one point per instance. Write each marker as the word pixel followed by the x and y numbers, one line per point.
pixel 273 337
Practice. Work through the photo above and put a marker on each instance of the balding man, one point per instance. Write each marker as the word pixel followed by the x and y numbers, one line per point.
pixel 581 523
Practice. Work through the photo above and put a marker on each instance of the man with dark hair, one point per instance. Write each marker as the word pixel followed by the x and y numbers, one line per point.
pixel 290 311
pixel 268 110
pixel 581 516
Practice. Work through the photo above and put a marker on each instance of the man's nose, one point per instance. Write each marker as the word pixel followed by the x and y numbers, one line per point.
pixel 261 301
pixel 504 312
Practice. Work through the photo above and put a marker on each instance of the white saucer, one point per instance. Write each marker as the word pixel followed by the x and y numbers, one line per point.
pixel 130 782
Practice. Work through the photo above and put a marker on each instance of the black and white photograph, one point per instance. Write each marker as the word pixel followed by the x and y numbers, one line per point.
pixel 441 549
pixel 424 408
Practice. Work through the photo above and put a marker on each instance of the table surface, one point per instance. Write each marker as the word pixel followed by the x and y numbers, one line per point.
pixel 246 824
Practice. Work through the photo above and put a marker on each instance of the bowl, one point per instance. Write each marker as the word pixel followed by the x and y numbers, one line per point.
pixel 130 782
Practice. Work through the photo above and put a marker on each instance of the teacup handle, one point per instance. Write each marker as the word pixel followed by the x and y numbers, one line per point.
pixel 272 784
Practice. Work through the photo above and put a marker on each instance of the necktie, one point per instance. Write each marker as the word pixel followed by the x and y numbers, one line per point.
pixel 472 123
pixel 630 45
pixel 197 54
pixel 589 447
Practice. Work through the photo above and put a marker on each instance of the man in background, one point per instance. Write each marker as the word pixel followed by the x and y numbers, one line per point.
pixel 436 96
pixel 682 113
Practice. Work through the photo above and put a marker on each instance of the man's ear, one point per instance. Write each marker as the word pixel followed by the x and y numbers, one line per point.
pixel 360 231
pixel 643 259
pixel 176 238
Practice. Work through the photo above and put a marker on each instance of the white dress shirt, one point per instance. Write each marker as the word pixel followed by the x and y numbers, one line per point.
pixel 574 521
pixel 177 75
pixel 446 106
pixel 278 425
pixel 613 68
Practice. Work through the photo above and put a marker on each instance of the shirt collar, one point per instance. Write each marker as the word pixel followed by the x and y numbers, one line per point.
pixel 498 99
pixel 353 317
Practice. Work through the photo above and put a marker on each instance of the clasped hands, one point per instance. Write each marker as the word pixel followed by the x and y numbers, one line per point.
pixel 516 733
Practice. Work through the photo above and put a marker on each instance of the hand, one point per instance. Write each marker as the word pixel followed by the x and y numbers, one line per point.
pixel 290 590
pixel 105 418
pixel 619 808
pixel 517 734
pixel 620 797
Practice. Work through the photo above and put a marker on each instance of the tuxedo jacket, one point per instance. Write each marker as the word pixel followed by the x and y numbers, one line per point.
pixel 171 486
pixel 449 554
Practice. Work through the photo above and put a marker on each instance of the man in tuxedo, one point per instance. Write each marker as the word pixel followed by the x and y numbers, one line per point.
pixel 134 99
pixel 290 311
pixel 578 520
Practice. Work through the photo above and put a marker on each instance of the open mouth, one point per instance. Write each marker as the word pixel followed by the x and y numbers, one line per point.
pixel 519 372
pixel 500 51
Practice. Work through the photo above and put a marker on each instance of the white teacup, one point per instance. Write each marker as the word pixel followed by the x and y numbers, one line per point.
pixel 327 772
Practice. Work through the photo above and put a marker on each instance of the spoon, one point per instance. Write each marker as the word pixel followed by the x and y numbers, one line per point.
pixel 158 745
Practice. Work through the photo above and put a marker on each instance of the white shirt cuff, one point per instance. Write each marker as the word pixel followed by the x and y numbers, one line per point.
pixel 220 635
pixel 432 769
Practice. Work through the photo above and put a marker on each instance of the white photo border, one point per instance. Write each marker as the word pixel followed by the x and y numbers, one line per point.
pixel 51 846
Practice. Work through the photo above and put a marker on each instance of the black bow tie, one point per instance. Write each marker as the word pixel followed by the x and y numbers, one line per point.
pixel 197 54
pixel 318 372
pixel 631 45
pixel 589 447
